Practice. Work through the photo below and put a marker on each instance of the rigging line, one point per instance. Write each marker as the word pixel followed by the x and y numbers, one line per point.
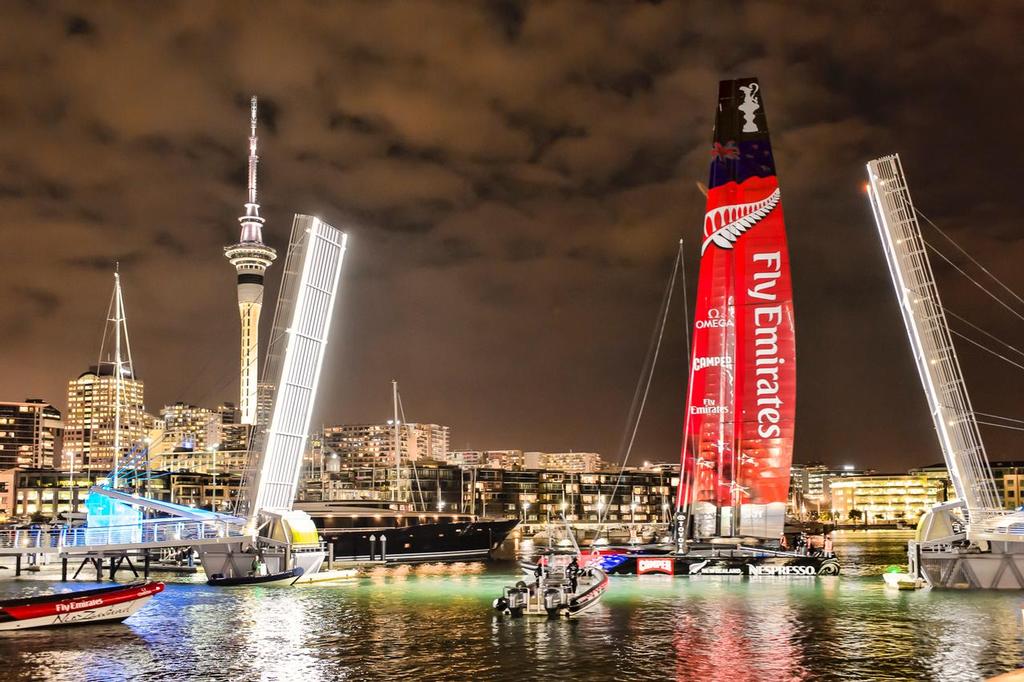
pixel 974 281
pixel 637 412
pixel 988 334
pixel 686 306
pixel 999 416
pixel 969 256
pixel 1001 426
pixel 986 349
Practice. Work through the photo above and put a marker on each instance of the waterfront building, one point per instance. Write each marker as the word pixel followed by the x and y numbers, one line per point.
pixel 578 462
pixel 373 445
pixel 46 494
pixel 89 425
pixel 31 434
pixel 533 495
pixel 1007 475
pixel 251 258
pixel 496 459
pixel 884 498
pixel 7 477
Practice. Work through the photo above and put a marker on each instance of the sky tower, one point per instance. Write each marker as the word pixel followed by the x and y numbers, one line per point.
pixel 251 258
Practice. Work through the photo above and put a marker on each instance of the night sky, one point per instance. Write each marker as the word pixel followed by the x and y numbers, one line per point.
pixel 514 177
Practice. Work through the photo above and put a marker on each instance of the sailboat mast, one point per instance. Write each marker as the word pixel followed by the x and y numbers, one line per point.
pixel 398 442
pixel 118 319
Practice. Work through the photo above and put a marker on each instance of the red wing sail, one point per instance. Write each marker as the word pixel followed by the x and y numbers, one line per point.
pixel 741 399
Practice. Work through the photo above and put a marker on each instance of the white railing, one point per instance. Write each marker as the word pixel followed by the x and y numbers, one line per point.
pixel 154 532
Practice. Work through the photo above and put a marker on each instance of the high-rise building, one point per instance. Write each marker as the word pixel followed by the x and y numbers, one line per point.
pixel 251 258
pixel 373 445
pixel 495 459
pixel 189 427
pixel 234 435
pixel 30 434
pixel 89 426
pixel 578 462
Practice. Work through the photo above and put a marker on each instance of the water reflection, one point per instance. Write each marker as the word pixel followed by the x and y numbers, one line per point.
pixel 435 622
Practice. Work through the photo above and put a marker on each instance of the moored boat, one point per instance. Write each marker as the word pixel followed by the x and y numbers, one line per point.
pixel 113 603
pixel 327 576
pixel 288 577
pixel 560 589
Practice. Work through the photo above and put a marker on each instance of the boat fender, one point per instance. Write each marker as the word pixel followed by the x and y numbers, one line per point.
pixel 500 604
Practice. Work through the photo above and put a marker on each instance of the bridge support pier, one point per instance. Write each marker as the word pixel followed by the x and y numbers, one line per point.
pixel 145 564
pixel 17 565
pixel 63 569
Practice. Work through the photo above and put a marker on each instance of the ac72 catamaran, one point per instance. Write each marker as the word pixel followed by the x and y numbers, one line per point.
pixel 741 397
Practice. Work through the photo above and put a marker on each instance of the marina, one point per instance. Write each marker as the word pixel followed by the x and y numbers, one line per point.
pixel 498 216
pixel 436 622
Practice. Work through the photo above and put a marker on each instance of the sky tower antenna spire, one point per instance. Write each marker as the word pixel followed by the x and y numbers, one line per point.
pixel 253 160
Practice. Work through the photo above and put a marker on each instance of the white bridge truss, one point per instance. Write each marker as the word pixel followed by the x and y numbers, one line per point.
pixel 302 322
pixel 931 343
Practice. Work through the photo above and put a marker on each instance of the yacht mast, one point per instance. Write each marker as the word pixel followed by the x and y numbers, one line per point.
pixel 120 365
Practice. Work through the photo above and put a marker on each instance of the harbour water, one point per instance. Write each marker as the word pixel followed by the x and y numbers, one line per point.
pixel 435 622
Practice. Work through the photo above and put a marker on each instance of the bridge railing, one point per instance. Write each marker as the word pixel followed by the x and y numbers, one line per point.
pixel 156 531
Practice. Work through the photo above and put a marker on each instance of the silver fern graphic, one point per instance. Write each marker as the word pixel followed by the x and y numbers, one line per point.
pixel 725 224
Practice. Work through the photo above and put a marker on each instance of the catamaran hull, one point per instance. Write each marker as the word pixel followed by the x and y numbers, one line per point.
pixel 737 565
pixel 92 606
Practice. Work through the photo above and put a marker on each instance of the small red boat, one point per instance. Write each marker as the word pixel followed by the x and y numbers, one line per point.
pixel 71 608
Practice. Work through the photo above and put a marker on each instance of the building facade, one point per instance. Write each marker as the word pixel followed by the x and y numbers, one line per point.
pixel 1007 476
pixel 31 435
pixel 89 424
pixel 187 426
pixel 373 445
pixel 47 494
pixel 577 462
pixel 533 495
pixel 495 459
pixel 884 498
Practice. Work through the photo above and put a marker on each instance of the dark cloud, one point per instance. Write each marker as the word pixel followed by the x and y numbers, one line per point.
pixel 79 26
pixel 515 177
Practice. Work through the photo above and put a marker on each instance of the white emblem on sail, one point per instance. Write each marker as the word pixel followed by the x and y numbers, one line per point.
pixel 750 104
pixel 724 225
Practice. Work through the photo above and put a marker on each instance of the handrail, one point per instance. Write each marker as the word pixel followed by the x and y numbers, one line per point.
pixel 162 531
